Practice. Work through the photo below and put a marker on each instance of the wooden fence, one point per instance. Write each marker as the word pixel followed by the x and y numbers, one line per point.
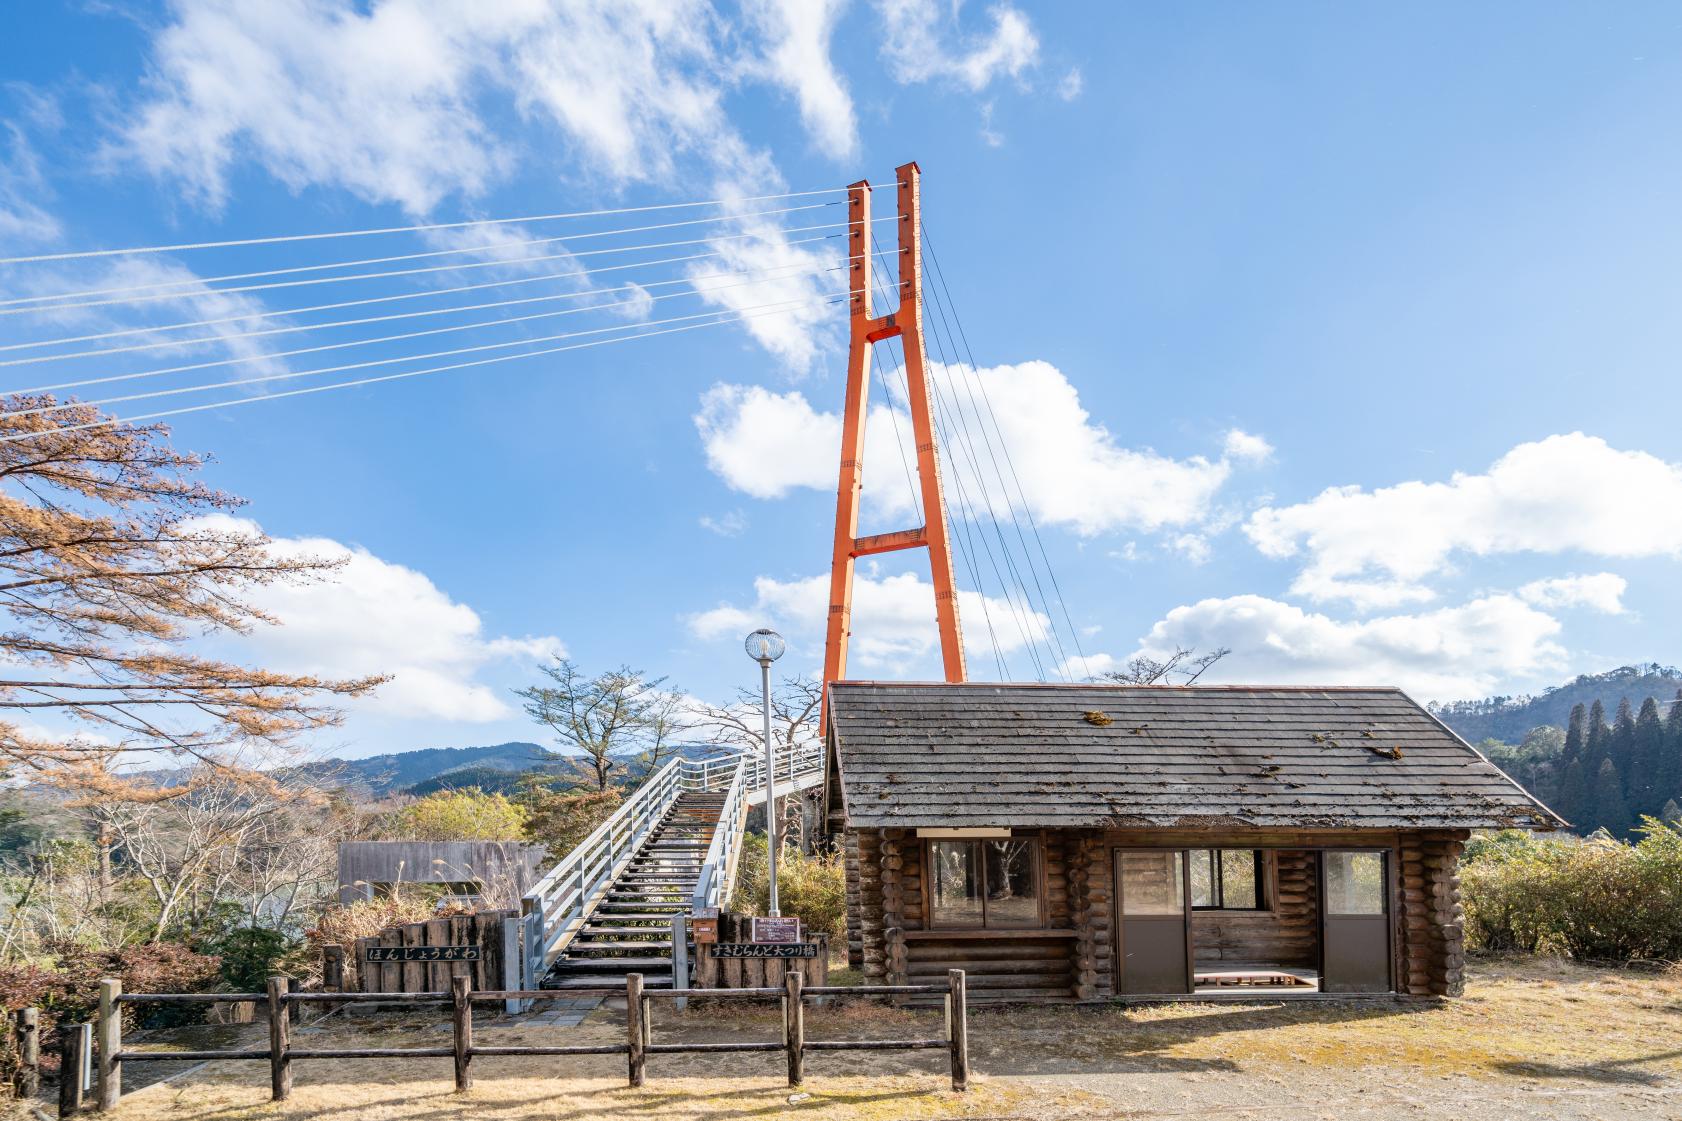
pixel 482 933
pixel 639 1043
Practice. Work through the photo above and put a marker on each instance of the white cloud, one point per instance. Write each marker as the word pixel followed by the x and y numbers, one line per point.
pixel 1466 651
pixel 1071 84
pixel 797 35
pixel 23 220
pixel 1601 591
pixel 372 616
pixel 725 525
pixel 1072 471
pixel 1569 493
pixel 893 621
pixel 916 46
pixel 1247 448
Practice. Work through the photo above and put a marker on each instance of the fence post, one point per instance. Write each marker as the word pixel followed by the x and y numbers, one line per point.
pixel 633 1027
pixel 959 1045
pixel 110 1042
pixel 461 1021
pixel 280 1025
pixel 680 959
pixel 70 1058
pixel 29 1052
pixel 794 1026
pixel 333 967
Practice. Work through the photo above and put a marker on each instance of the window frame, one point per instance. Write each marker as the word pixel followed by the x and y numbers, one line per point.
pixel 1036 856
pixel 1217 880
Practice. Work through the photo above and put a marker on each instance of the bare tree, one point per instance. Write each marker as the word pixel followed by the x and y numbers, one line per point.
pixel 606 718
pixel 111 558
pixel 795 702
pixel 1183 667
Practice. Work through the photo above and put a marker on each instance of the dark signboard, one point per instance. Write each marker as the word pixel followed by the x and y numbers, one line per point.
pixel 779 930
pixel 421 953
pixel 765 950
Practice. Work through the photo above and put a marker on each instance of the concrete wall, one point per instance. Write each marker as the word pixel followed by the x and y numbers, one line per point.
pixel 509 867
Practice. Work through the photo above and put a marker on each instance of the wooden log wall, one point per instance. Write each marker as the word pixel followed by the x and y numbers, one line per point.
pixel 483 930
pixel 872 948
pixel 758 973
pixel 855 935
pixel 1431 956
pixel 1286 932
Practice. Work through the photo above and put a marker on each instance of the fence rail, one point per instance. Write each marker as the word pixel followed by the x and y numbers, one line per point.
pixel 639 1043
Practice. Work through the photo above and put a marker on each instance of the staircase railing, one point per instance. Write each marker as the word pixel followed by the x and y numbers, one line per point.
pixel 718 868
pixel 559 904
pixel 805 759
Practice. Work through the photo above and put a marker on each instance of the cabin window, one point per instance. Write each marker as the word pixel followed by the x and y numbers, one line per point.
pixel 1354 883
pixel 983 884
pixel 1227 879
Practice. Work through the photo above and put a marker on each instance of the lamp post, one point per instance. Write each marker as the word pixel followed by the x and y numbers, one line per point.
pixel 766 646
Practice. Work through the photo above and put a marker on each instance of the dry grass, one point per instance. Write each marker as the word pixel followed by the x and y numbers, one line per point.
pixel 1540 1032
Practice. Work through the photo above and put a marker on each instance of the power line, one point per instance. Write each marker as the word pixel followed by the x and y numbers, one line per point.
pixel 445 253
pixel 109 421
pixel 504 321
pixel 275 240
pixel 364 302
pixel 1027 510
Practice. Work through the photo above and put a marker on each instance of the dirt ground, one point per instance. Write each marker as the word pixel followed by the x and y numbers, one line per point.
pixel 1530 1040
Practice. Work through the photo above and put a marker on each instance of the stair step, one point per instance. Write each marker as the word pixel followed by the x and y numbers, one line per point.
pixel 623 931
pixel 583 949
pixel 552 982
pixel 608 965
pixel 645 916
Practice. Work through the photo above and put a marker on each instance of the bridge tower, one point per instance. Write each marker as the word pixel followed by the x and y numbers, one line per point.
pixel 865 330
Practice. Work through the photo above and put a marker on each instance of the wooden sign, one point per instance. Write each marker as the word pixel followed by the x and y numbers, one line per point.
pixel 765 950
pixel 705 931
pixel 420 953
pixel 781 931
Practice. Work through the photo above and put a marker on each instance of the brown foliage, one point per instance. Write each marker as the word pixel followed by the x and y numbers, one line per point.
pixel 111 557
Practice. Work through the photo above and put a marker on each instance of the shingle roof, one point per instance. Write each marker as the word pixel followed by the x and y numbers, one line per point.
pixel 1191 757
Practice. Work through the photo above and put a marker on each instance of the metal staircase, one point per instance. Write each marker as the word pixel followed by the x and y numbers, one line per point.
pixel 606 908
pixel 631 928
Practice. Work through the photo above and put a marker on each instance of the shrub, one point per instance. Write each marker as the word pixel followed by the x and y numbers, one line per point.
pixel 458 815
pixel 562 820
pixel 252 954
pixel 812 886
pixel 1599 899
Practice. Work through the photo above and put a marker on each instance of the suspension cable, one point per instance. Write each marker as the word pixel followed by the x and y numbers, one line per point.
pixel 762 274
pixel 421 256
pixel 1027 509
pixel 109 421
pixel 275 240
pixel 374 300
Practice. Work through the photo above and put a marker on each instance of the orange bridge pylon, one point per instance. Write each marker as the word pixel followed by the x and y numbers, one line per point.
pixel 906 321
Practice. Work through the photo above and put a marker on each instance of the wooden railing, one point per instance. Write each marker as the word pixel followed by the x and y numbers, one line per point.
pixel 639 1043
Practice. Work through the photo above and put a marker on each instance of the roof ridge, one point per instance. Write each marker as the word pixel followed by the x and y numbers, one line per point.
pixel 1115 685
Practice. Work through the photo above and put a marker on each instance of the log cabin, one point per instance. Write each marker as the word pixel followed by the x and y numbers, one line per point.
pixel 1101 842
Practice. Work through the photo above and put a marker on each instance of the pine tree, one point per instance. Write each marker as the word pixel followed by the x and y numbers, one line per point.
pixel 1611 811
pixel 1646 796
pixel 1669 778
pixel 1595 740
pixel 1573 796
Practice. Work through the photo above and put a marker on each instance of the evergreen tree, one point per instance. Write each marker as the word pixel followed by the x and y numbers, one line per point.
pixel 1574 735
pixel 1595 741
pixel 1671 814
pixel 1611 811
pixel 1573 797
pixel 1669 778
pixel 1646 796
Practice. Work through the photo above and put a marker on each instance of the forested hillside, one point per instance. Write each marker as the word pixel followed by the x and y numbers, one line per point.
pixel 1509 719
pixel 1603 751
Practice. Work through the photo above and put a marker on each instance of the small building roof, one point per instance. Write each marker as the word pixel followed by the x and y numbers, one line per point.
pixel 1122 756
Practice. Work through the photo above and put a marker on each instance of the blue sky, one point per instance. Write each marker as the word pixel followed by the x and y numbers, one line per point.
pixel 1340 335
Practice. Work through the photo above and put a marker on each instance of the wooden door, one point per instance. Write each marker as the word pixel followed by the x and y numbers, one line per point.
pixel 1355 921
pixel 1153 918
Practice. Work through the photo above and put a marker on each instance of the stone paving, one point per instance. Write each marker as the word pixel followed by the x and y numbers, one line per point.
pixel 565 1013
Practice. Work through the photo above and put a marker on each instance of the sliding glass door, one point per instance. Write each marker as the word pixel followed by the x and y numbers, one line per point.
pixel 1154 927
pixel 1355 922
